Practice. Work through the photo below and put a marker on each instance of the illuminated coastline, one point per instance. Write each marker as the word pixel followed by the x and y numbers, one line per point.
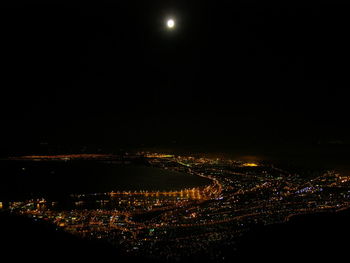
pixel 239 194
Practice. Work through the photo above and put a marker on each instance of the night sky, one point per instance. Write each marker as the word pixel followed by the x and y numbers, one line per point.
pixel 230 73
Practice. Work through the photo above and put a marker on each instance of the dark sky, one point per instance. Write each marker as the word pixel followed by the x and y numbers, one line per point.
pixel 231 72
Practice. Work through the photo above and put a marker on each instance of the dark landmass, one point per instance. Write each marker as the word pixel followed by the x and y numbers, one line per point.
pixel 24 239
pixel 308 237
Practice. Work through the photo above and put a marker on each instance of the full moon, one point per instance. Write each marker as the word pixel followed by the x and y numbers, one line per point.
pixel 170 23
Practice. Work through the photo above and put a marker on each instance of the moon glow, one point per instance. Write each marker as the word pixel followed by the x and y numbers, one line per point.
pixel 170 23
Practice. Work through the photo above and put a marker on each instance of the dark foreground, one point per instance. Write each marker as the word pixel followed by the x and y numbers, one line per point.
pixel 313 237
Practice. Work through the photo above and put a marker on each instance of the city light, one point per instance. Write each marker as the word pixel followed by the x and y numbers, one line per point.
pixel 236 197
pixel 250 164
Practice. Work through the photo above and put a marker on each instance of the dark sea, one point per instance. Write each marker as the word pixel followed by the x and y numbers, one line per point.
pixel 27 179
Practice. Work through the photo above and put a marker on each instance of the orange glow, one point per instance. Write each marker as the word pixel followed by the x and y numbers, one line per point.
pixel 250 164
